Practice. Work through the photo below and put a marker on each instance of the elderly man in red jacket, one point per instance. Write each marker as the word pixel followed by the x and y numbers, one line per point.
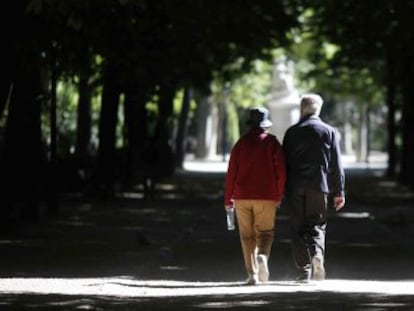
pixel 255 184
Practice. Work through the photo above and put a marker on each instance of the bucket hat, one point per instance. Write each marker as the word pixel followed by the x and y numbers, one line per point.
pixel 259 117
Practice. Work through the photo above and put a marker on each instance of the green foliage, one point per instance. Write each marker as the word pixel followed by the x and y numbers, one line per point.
pixel 319 68
pixel 67 98
pixel 67 102
pixel 178 103
pixel 252 88
pixel 247 89
pixel 233 42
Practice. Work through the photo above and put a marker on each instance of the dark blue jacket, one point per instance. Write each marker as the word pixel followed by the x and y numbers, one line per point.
pixel 313 157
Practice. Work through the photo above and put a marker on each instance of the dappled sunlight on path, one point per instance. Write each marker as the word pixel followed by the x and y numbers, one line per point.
pixel 130 287
pixel 174 252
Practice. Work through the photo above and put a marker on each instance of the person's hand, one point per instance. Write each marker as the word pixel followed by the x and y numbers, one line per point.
pixel 226 207
pixel 339 203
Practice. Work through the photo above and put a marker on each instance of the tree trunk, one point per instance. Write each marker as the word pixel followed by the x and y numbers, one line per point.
pixel 162 135
pixel 215 127
pixel 204 126
pixel 362 150
pixel 108 163
pixel 8 66
pixel 52 180
pixel 347 139
pixel 346 142
pixel 84 117
pixel 7 89
pixel 222 129
pixel 182 128
pixel 165 109
pixel 136 133
pixel 391 128
pixel 407 163
pixel 23 152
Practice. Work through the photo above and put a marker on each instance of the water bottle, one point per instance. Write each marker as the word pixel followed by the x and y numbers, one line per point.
pixel 231 225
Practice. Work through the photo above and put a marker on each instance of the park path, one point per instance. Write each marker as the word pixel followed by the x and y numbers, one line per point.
pixel 174 252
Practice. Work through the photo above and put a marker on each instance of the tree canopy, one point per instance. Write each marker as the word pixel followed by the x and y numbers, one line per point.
pixel 141 53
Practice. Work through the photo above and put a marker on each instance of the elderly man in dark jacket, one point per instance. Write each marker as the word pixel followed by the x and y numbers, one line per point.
pixel 314 175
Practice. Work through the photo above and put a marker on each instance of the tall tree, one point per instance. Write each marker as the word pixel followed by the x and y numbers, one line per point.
pixel 21 180
pixel 385 39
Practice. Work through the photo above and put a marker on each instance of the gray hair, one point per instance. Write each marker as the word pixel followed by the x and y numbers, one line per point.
pixel 310 104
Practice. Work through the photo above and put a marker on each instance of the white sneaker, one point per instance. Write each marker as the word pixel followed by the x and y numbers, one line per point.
pixel 252 279
pixel 318 270
pixel 263 268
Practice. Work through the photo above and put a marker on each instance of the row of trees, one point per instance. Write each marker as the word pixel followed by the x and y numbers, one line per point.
pixel 141 53
pixel 375 51
pixel 134 50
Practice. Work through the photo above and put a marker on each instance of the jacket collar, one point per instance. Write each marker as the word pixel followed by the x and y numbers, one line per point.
pixel 257 130
pixel 309 117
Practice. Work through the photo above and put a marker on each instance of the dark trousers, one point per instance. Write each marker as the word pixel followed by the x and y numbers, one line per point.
pixel 308 215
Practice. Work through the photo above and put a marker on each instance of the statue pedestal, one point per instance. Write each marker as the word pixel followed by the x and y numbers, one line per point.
pixel 284 112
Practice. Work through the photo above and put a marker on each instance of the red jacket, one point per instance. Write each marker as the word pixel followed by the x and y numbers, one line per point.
pixel 256 168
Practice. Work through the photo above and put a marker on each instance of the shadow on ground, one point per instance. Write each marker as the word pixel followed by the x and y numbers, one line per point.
pixel 180 236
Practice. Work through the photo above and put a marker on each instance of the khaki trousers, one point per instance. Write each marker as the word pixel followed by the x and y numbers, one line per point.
pixel 256 219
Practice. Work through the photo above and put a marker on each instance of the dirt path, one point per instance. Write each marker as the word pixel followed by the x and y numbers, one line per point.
pixel 174 253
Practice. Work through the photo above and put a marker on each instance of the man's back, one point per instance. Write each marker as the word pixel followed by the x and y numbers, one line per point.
pixel 310 148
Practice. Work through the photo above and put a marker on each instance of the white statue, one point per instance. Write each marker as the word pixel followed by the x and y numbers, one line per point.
pixel 284 102
pixel 283 78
